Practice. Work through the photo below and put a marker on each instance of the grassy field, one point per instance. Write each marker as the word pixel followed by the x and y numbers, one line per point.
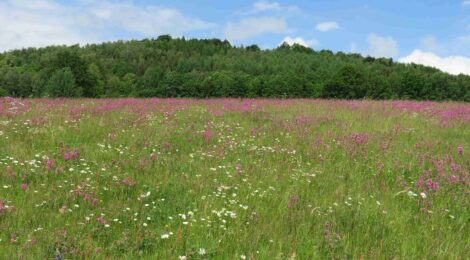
pixel 234 179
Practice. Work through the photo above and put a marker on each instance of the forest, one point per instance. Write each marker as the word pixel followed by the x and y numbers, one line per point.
pixel 204 68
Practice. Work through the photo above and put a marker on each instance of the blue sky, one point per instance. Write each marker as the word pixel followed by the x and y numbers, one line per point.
pixel 430 32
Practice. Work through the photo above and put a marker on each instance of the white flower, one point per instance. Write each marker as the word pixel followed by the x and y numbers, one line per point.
pixel 202 251
pixel 165 236
pixel 412 194
pixel 423 195
pixel 182 257
pixel 243 257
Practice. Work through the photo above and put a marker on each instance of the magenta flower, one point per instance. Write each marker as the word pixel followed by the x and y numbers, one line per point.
pixel 292 201
pixel 24 186
pixel 460 150
pixel 102 221
pixel 419 183
pixel 49 164
pixel 71 155
pixel 208 134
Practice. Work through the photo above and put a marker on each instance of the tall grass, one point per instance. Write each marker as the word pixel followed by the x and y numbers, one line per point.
pixel 234 179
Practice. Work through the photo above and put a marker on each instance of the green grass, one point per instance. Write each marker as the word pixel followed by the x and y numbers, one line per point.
pixel 282 179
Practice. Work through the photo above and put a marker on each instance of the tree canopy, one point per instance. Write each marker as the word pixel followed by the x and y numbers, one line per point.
pixel 169 67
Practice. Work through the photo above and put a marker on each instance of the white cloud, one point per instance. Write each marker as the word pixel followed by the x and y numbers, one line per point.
pixel 266 6
pixel 251 27
pixel 261 6
pixel 301 41
pixel 38 23
pixel 326 26
pixel 382 46
pixel 44 5
pixel 452 64
pixel 455 46
pixel 148 21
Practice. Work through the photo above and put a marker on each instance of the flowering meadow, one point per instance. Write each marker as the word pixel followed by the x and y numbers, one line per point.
pixel 233 179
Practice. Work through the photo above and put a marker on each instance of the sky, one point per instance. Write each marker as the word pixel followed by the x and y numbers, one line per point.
pixel 430 32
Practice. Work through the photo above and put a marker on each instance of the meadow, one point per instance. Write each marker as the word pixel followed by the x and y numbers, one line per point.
pixel 234 179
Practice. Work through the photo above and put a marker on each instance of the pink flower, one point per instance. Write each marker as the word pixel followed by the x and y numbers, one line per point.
pixel 71 155
pixel 128 182
pixel 359 138
pixel 439 165
pixel 292 201
pixel 460 150
pixel 102 221
pixel 419 183
pixel 208 134
pixel 238 167
pixel 49 164
pixel 24 186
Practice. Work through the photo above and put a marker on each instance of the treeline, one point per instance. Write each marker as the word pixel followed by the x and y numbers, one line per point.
pixel 167 67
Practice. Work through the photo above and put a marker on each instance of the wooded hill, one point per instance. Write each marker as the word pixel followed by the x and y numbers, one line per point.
pixel 167 67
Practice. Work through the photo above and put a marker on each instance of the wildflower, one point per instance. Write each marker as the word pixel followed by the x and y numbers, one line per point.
pixel 164 236
pixel 208 134
pixel 182 257
pixel 238 167
pixel 419 183
pixel 102 221
pixel 24 186
pixel 71 155
pixel 202 251
pixel 460 150
pixel 432 185
pixel 49 164
pixel 293 199
pixel 423 195
pixel 128 182
pixel 63 209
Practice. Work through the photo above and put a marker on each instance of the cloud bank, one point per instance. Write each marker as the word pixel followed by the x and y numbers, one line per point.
pixel 453 64
pixel 382 46
pixel 301 41
pixel 251 27
pixel 40 23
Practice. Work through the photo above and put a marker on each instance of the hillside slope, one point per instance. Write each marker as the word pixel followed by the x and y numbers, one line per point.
pixel 167 67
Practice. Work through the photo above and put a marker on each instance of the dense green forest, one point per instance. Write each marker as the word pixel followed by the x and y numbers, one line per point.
pixel 167 67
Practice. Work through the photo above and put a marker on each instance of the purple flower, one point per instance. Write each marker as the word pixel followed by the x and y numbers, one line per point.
pixel 292 201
